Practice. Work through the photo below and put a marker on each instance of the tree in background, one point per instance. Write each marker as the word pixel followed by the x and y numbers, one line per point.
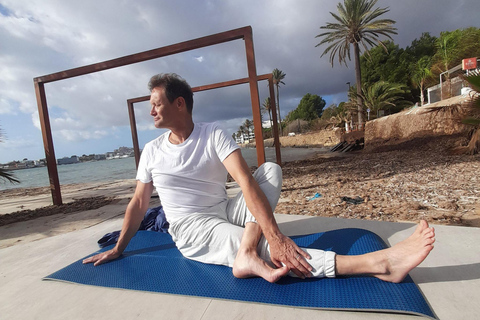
pixel 266 108
pixel 241 129
pixel 356 24
pixel 278 76
pixel 247 125
pixel 384 96
pixel 388 65
pixel 309 108
pixel 239 133
pixel 420 75
pixel 4 174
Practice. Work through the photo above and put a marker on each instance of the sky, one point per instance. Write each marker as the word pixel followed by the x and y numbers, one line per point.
pixel 89 114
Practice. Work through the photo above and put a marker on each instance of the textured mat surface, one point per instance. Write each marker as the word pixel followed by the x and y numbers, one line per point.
pixel 151 262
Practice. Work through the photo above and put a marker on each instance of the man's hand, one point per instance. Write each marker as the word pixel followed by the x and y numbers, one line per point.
pixel 103 257
pixel 284 250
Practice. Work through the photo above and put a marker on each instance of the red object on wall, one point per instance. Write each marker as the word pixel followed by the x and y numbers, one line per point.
pixel 469 64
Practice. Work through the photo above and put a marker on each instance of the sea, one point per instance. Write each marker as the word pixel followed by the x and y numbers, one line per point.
pixel 124 168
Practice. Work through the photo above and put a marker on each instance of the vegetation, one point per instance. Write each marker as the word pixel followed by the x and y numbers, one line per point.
pixel 473 119
pixel 384 96
pixel 392 78
pixel 244 130
pixel 4 174
pixel 419 65
pixel 356 25
pixel 266 108
pixel 310 108
pixel 278 77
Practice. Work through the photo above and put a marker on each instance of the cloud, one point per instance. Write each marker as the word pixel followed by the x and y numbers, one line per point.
pixel 18 143
pixel 44 37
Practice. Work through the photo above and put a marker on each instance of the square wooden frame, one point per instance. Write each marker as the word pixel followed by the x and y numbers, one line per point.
pixel 244 33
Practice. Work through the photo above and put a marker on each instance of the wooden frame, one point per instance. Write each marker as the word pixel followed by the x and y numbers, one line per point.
pixel 244 33
pixel 268 77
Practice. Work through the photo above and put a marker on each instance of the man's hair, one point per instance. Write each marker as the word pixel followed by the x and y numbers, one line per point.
pixel 174 86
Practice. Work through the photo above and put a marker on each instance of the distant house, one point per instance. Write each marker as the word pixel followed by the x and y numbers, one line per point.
pixel 66 160
pixel 100 157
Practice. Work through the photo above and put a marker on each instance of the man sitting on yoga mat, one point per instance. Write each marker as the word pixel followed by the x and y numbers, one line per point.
pixel 188 167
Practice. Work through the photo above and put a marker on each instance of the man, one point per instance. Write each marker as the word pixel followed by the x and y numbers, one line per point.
pixel 188 166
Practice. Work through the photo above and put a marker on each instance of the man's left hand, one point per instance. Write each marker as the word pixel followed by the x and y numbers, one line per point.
pixel 283 251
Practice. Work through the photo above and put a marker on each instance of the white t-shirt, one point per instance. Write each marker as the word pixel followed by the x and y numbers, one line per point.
pixel 189 177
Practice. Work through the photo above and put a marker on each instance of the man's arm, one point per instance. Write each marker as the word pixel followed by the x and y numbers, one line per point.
pixel 282 249
pixel 133 217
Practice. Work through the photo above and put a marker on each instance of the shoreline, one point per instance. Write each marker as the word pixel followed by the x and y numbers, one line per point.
pixel 424 182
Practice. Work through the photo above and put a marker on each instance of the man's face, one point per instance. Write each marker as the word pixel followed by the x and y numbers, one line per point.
pixel 162 111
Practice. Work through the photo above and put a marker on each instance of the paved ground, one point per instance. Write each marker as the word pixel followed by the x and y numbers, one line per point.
pixel 449 277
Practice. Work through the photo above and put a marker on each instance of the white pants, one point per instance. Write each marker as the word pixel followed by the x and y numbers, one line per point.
pixel 214 235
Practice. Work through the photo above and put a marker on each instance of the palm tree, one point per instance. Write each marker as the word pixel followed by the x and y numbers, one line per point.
pixel 355 25
pixel 247 125
pixel 242 130
pixel 266 107
pixel 383 95
pixel 420 74
pixel 240 134
pixel 278 76
pixel 4 174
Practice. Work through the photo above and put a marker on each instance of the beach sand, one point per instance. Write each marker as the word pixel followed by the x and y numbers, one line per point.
pixel 420 180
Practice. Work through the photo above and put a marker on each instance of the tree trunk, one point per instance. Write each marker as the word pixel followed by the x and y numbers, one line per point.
pixel 474 144
pixel 422 97
pixel 278 108
pixel 358 78
pixel 270 116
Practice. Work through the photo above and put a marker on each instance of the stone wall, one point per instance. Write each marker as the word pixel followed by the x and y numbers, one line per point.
pixel 323 138
pixel 417 123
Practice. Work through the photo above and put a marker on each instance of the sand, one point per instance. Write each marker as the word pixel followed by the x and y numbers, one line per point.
pixel 408 182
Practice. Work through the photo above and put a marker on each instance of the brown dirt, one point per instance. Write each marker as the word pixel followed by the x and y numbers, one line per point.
pixel 414 180
pixel 82 204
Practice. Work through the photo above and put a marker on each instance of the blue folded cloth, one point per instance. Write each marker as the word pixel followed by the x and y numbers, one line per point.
pixel 154 220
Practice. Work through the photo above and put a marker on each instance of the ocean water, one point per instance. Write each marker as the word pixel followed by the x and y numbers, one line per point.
pixel 120 169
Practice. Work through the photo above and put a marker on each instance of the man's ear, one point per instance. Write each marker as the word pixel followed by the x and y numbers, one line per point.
pixel 180 102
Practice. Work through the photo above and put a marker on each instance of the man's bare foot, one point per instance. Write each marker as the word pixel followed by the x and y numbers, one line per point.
pixel 400 259
pixel 248 264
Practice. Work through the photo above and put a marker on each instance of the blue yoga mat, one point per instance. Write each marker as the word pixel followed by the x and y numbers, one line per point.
pixel 151 262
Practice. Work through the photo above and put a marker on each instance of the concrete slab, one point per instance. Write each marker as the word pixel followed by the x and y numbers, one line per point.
pixel 449 278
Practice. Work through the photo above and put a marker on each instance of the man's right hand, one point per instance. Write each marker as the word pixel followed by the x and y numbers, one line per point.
pixel 103 257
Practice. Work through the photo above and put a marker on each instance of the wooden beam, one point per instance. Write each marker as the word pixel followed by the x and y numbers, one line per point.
pixel 48 143
pixel 252 76
pixel 269 77
pixel 149 55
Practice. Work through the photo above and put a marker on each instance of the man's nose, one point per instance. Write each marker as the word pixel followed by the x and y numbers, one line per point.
pixel 153 112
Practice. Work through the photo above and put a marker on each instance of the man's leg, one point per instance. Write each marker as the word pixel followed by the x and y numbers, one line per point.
pixel 392 264
pixel 253 258
pixel 248 263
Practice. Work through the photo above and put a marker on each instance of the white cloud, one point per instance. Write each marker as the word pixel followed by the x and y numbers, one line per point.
pixel 6 107
pixel 18 143
pixel 48 36
pixel 80 135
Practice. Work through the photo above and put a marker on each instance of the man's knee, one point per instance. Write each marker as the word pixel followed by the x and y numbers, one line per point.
pixel 271 172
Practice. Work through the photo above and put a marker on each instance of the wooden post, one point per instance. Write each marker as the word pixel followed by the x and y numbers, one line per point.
pixel 252 76
pixel 133 129
pixel 276 138
pixel 48 143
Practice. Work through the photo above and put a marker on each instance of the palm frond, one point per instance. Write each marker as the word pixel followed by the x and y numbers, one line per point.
pixel 8 176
